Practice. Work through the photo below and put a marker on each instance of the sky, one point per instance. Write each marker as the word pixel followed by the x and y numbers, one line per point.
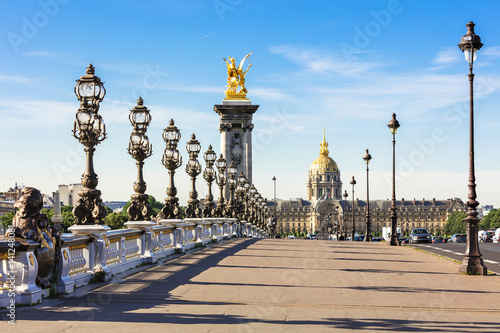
pixel 342 66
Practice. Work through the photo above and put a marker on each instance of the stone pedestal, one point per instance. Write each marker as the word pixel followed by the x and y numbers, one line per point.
pixel 236 134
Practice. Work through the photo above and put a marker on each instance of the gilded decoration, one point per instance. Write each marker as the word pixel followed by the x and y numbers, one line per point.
pixel 236 78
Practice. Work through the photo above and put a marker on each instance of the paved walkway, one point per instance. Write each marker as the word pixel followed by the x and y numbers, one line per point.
pixel 278 285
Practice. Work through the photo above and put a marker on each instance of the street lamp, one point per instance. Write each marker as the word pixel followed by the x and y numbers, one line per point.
pixel 193 169
pixel 231 173
pixel 472 262
pixel 171 159
pixel 221 182
pixel 393 126
pixel 275 218
pixel 209 175
pixel 353 232
pixel 139 148
pixel 90 130
pixel 345 217
pixel 367 157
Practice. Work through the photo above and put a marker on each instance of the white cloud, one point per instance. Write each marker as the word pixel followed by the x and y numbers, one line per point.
pixel 321 62
pixel 17 79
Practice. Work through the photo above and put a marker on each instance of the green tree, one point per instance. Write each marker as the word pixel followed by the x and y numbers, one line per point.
pixel 6 220
pixel 49 212
pixel 491 221
pixel 455 223
pixel 68 218
pixel 116 220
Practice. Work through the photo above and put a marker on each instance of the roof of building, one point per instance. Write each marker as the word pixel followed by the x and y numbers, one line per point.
pixel 324 163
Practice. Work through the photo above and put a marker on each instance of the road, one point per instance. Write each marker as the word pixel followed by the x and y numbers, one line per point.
pixel 490 252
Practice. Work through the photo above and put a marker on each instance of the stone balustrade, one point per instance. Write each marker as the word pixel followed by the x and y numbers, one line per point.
pixel 97 257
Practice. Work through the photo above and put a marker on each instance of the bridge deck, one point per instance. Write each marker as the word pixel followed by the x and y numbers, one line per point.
pixel 277 285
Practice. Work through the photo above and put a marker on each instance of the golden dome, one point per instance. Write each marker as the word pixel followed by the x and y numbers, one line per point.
pixel 324 163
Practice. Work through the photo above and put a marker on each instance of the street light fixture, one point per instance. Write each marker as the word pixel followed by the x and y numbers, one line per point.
pixel 193 169
pixel 368 238
pixel 221 182
pixel 171 159
pixel 353 232
pixel 209 175
pixel 393 126
pixel 90 130
pixel 140 148
pixel 344 213
pixel 472 263
pixel 232 170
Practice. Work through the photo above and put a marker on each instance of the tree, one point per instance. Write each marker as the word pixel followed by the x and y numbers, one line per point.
pixel 455 224
pixel 68 218
pixel 491 221
pixel 6 220
pixel 116 220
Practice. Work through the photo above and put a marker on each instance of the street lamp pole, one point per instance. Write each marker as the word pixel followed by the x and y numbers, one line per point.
pixel 472 263
pixel 368 238
pixel 344 213
pixel 393 126
pixel 353 232
pixel 275 219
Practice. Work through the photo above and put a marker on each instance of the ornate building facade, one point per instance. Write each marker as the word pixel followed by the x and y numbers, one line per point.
pixel 324 198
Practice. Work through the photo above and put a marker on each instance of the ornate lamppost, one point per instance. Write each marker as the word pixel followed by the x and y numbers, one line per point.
pixel 140 148
pixel 275 218
pixel 90 130
pixel 193 169
pixel 252 190
pixel 353 232
pixel 241 196
pixel 209 175
pixel 393 126
pixel 171 159
pixel 231 172
pixel 472 263
pixel 368 238
pixel 345 217
pixel 221 182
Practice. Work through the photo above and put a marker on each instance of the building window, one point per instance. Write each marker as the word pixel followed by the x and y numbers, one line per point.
pixel 328 178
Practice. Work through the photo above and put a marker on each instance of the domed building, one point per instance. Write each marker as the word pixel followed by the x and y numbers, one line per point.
pixel 324 176
pixel 325 209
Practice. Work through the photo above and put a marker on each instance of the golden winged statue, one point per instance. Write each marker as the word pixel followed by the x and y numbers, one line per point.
pixel 236 78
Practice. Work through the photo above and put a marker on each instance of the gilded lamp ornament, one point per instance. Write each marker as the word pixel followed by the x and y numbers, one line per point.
pixel 139 148
pixel 171 159
pixel 236 78
pixel 90 130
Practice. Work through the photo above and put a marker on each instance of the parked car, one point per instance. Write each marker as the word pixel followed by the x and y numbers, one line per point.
pixel 458 238
pixel 376 239
pixel 420 235
pixel 437 239
pixel 291 237
pixel 359 238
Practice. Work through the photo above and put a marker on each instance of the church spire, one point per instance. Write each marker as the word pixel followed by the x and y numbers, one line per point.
pixel 324 146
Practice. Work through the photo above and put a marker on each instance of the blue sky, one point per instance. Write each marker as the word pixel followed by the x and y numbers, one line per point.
pixel 343 66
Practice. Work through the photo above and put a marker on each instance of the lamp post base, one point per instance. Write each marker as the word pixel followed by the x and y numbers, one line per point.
pixel 473 266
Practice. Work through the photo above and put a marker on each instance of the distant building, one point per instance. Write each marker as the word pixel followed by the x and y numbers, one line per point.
pixel 324 193
pixel 114 205
pixel 68 194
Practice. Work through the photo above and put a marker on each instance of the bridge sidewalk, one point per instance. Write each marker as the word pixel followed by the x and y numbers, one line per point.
pixel 277 285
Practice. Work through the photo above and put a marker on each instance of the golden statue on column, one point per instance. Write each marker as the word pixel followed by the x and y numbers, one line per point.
pixel 236 78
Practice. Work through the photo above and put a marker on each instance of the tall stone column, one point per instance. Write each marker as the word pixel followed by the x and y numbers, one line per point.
pixel 236 134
